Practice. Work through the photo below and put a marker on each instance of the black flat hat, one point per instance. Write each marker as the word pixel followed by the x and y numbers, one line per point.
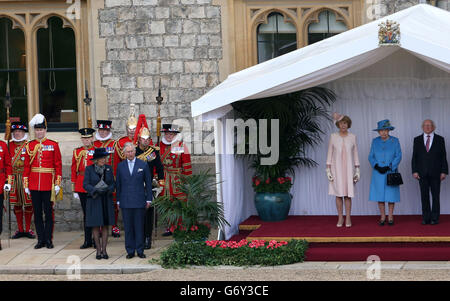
pixel 170 128
pixel 86 132
pixel 100 153
pixel 104 124
pixel 19 125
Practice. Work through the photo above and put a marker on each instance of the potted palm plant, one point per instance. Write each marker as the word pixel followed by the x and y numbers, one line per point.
pixel 299 114
pixel 192 215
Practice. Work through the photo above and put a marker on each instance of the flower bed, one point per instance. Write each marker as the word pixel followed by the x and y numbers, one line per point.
pixel 241 253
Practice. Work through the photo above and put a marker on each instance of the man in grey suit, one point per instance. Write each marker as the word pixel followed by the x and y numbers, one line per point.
pixel 134 195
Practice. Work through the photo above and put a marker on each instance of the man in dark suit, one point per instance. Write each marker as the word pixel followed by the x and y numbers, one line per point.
pixel 134 195
pixel 429 166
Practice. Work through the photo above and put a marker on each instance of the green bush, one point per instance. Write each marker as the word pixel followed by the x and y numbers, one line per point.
pixel 181 254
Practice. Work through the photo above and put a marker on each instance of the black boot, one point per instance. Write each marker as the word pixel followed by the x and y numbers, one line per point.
pixel 86 245
pixel 49 244
pixel 148 243
pixel 39 245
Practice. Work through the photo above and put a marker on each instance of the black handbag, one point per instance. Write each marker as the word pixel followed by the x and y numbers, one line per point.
pixel 394 179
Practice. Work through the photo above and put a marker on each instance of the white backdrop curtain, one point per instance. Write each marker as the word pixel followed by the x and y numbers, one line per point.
pixel 402 88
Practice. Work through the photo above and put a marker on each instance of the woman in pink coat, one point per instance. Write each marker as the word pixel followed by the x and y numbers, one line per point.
pixel 342 167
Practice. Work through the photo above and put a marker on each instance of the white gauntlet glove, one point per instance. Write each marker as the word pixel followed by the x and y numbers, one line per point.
pixel 27 191
pixel 7 187
pixel 357 175
pixel 76 196
pixel 57 188
pixel 329 175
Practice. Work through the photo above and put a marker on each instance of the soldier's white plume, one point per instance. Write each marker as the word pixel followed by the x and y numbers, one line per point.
pixel 37 119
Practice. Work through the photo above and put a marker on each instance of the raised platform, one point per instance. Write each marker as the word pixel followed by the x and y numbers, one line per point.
pixel 322 229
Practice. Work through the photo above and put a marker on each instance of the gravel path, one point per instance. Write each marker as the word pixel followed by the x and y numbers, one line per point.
pixel 250 274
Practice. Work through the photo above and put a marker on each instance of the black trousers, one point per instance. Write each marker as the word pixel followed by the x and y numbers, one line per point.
pixel 43 206
pixel 148 221
pixel 87 230
pixel 1 214
pixel 433 184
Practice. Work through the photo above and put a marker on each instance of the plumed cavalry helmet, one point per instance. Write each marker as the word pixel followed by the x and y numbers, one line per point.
pixel 144 133
pixel 132 121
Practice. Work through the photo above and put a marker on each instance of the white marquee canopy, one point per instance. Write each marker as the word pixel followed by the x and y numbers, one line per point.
pixel 425 32
pixel 405 83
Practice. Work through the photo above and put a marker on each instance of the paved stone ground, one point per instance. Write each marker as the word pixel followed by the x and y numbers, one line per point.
pixel 22 262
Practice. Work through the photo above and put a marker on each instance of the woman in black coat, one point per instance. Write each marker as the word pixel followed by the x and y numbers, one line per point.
pixel 99 183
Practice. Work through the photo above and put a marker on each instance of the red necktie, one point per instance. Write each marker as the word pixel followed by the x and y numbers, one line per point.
pixel 428 143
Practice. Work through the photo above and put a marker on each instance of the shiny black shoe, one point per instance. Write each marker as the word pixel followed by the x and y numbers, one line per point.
pixel 167 233
pixel 17 235
pixel 142 255
pixel 105 255
pixel 434 222
pixel 29 234
pixel 381 223
pixel 39 245
pixel 98 256
pixel 425 222
pixel 49 244
pixel 129 256
pixel 391 223
pixel 148 243
pixel 86 245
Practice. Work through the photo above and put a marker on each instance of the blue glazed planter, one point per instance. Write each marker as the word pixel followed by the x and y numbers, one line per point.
pixel 273 207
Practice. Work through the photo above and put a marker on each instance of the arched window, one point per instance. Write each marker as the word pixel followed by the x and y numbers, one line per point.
pixel 275 38
pixel 327 27
pixel 12 71
pixel 57 75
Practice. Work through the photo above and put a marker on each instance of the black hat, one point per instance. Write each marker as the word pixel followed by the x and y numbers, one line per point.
pixel 104 124
pixel 19 125
pixel 100 153
pixel 86 132
pixel 169 128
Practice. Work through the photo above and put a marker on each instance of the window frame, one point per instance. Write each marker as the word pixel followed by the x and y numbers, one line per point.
pixel 30 18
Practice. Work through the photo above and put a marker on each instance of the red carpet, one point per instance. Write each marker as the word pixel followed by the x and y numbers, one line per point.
pixel 407 240
pixel 385 251
pixel 407 228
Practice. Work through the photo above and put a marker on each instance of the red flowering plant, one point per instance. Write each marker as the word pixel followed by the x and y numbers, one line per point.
pixel 237 253
pixel 279 184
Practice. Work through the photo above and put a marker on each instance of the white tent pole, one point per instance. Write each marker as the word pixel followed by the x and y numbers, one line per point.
pixel 217 151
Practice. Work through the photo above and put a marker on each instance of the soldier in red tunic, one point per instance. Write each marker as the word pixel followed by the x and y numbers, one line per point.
pixel 18 198
pixel 80 160
pixel 176 161
pixel 5 175
pixel 103 140
pixel 119 156
pixel 42 174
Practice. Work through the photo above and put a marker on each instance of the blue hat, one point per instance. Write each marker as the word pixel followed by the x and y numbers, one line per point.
pixel 384 125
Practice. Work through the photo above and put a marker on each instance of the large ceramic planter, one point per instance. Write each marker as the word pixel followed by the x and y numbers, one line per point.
pixel 273 207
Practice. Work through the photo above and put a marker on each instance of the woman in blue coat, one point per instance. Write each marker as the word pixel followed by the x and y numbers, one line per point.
pixel 385 156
